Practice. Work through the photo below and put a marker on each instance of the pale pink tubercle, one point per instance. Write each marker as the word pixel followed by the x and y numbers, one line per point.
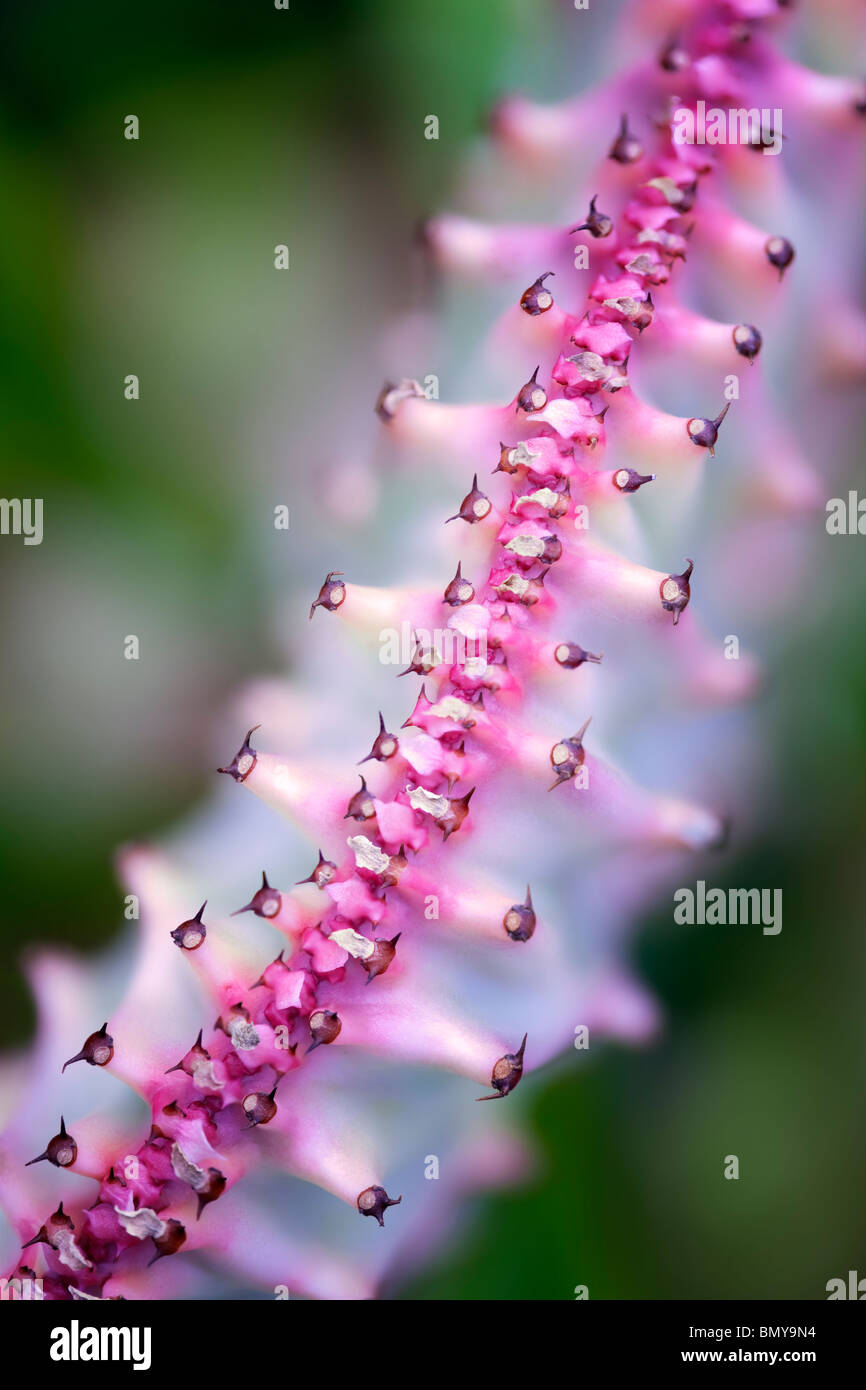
pixel 831 101
pixel 535 132
pixel 466 245
pixel 677 329
pixel 485 746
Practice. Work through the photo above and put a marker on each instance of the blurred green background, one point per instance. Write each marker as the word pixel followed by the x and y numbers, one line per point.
pixel 155 257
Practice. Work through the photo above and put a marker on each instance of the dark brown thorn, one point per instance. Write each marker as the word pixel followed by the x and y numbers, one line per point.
pixel 673 57
pixel 323 872
pixel 626 149
pixel 520 920
pixel 331 594
pixel 374 1201
pixel 190 935
pixel 62 1150
pixel 628 480
pixel 531 396
pixel 383 954
pixel 475 506
pixel 505 465
pixel 779 253
pixel 170 1241
pixel 360 806
pixel 40 1238
pixel 704 433
pixel 537 300
pixel 266 902
pixel 457 813
pixel 385 745
pixel 459 591
pixel 747 340
pixel 506 1073
pixel 97 1051
pixel 570 656
pixel 244 760
pixel 214 1188
pixel 675 591
pixel 324 1026
pixel 259 1107
pixel 196 1047
pixel 568 755
pixel 598 224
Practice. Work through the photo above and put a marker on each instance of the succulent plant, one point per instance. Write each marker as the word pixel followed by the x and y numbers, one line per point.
pixel 469 894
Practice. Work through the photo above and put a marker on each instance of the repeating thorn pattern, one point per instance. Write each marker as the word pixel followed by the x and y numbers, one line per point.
pixel 402 888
